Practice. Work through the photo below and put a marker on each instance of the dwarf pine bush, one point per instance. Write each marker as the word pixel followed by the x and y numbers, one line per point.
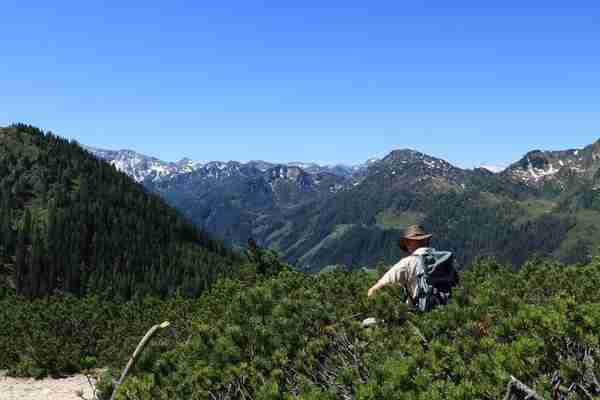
pixel 299 336
pixel 291 335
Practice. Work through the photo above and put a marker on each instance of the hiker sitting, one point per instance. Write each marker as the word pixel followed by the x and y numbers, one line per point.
pixel 427 275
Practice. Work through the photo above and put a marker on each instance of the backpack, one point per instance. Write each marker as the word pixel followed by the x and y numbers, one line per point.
pixel 436 276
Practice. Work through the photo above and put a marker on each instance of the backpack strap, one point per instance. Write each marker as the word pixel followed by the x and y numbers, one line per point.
pixel 410 298
pixel 420 275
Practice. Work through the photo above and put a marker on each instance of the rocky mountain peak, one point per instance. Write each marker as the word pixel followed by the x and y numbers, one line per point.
pixel 307 166
pixel 406 158
pixel 140 167
pixel 495 169
pixel 260 165
pixel 186 165
pixel 407 155
pixel 289 173
pixel 405 169
pixel 539 167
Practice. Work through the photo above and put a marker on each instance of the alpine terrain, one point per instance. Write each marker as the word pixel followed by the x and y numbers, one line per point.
pixel 317 216
pixel 90 260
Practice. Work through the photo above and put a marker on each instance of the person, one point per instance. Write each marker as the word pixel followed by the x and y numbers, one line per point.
pixel 427 275
pixel 415 241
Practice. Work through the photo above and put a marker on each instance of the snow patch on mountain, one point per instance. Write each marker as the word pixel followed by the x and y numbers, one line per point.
pixel 538 173
pixel 557 167
pixel 144 168
pixel 141 167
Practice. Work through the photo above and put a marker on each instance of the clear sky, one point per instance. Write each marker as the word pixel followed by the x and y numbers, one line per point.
pixel 325 81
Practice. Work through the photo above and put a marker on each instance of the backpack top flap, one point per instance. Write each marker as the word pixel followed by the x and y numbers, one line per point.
pixel 439 268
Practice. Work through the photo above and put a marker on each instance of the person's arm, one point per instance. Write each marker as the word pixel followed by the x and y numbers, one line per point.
pixel 394 275
pixel 375 288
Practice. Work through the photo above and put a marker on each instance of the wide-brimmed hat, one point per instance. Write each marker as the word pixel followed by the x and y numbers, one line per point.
pixel 413 232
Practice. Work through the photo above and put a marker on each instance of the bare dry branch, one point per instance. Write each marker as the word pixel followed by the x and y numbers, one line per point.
pixel 136 353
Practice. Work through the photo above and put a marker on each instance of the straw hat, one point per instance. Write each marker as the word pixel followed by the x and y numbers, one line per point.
pixel 414 232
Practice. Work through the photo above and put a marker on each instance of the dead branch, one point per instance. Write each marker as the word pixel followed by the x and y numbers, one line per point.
pixel 517 390
pixel 136 353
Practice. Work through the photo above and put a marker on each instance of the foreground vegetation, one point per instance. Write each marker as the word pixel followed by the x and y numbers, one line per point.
pixel 282 334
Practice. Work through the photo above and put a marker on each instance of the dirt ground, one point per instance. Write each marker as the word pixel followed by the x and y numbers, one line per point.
pixel 45 389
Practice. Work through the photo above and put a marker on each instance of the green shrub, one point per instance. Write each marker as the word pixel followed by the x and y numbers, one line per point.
pixel 292 335
pixel 63 335
pixel 299 336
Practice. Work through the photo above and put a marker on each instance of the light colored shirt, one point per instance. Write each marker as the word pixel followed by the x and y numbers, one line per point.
pixel 404 273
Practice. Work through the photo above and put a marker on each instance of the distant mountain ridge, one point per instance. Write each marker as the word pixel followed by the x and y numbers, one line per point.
pixel 493 168
pixel 142 167
pixel 557 168
pixel 534 169
pixel 322 215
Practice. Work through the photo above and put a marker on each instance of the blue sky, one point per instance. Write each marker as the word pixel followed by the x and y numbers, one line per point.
pixel 336 81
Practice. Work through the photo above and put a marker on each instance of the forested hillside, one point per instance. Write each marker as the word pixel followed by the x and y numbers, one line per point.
pixel 72 223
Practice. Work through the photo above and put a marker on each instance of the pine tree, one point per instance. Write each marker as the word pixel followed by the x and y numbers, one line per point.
pixel 21 259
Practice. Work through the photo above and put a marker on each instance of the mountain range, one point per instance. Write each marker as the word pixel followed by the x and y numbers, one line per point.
pixel 322 215
pixel 147 168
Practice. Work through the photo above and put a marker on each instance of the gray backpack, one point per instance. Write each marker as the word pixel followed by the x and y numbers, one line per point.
pixel 436 276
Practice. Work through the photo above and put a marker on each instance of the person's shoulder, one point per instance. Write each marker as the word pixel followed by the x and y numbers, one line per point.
pixel 408 260
pixel 413 258
pixel 399 265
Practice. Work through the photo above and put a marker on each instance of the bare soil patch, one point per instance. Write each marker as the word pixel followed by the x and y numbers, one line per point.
pixel 44 389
